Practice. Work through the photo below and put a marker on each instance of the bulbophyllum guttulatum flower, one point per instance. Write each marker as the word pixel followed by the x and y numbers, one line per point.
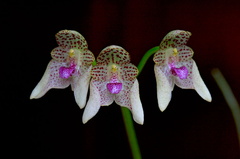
pixel 71 64
pixel 174 65
pixel 114 79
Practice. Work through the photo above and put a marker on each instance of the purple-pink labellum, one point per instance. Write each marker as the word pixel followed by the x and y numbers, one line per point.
pixel 114 88
pixel 181 72
pixel 66 72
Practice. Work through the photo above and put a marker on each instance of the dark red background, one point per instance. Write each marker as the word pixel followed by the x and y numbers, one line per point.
pixel 51 127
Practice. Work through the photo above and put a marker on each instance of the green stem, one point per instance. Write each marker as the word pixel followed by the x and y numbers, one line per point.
pixel 146 57
pixel 127 118
pixel 132 138
pixel 229 97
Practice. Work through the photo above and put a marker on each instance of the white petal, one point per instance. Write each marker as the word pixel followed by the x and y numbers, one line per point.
pixel 137 109
pixel 199 85
pixel 50 80
pixel 38 91
pixel 93 104
pixel 81 88
pixel 164 88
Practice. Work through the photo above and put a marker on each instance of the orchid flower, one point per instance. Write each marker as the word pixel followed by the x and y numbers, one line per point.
pixel 174 65
pixel 71 64
pixel 114 79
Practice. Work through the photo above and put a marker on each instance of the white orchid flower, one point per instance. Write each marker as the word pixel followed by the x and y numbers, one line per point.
pixel 71 64
pixel 174 65
pixel 114 79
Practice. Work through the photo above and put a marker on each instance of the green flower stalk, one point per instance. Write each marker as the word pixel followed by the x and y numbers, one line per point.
pixel 229 97
pixel 132 138
pixel 146 56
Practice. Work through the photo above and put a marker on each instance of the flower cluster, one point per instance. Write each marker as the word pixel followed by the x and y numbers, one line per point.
pixel 113 78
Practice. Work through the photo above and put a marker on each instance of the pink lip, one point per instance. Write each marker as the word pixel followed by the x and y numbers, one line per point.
pixel 114 88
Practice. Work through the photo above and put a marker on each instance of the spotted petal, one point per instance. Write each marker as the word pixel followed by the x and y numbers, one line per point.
pixel 129 98
pixel 185 53
pixel 81 87
pixel 59 53
pixel 86 58
pixel 193 81
pixel 160 57
pixel 199 85
pixel 137 110
pixel 93 104
pixel 129 71
pixel 71 39
pixel 99 72
pixel 174 39
pixel 164 86
pixel 99 79
pixel 50 80
pixel 113 54
pixel 123 98
pixel 106 97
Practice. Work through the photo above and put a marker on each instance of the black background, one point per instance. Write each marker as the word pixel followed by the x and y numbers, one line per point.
pixel 51 127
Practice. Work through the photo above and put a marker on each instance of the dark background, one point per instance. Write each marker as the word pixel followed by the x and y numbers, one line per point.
pixel 51 127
